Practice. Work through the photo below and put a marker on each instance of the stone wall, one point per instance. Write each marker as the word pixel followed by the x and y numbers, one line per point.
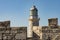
pixel 12 33
pixel 15 33
pixel 50 33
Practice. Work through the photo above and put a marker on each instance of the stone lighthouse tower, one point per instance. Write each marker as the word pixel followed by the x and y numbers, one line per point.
pixel 33 20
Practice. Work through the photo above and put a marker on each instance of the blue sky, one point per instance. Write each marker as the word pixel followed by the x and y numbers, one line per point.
pixel 17 11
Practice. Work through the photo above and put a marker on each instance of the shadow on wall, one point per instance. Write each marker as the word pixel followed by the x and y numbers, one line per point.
pixel 35 36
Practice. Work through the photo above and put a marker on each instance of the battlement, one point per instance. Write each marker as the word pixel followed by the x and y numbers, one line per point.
pixel 53 22
pixel 5 24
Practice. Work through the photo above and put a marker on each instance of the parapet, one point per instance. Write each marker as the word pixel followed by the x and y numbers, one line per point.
pixel 19 30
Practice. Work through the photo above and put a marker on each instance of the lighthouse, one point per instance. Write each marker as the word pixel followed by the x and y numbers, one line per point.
pixel 33 20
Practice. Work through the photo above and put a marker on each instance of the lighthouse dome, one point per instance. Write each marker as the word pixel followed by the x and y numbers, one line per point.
pixel 33 8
